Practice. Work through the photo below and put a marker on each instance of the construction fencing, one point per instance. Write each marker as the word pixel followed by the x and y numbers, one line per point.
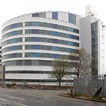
pixel 90 84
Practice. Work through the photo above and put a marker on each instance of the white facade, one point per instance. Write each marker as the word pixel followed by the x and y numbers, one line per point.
pixel 31 42
pixel 93 40
pixel 90 11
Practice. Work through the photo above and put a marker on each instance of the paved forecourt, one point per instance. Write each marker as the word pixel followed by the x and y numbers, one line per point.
pixel 30 97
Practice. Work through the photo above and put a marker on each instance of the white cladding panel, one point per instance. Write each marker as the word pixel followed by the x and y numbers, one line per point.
pixel 85 32
pixel 63 16
pixel 30 68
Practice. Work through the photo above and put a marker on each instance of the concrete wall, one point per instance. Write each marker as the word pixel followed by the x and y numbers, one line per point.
pixel 2 73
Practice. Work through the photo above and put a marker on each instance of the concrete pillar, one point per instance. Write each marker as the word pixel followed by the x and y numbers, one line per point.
pixel 2 73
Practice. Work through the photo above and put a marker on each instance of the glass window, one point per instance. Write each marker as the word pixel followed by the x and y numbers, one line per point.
pixel 28 55
pixel 19 62
pixel 35 46
pixel 27 46
pixel 13 48
pixel 54 26
pixel 77 31
pixel 55 15
pixel 76 44
pixel 13 55
pixel 76 37
pixel 60 27
pixel 13 40
pixel 65 28
pixel 54 40
pixel 55 48
pixel 35 31
pixel 64 42
pixel 35 23
pixel 71 36
pixel 71 43
pixel 65 35
pixel 55 33
pixel 28 31
pixel 48 48
pixel 27 62
pixel 35 15
pixel 64 49
pixel 54 55
pixel 35 39
pixel 35 54
pixel 18 54
pixel 18 47
pixel 70 18
pixel 71 50
pixel 13 33
pixel 28 39
pixel 13 25
pixel 18 39
pixel 70 29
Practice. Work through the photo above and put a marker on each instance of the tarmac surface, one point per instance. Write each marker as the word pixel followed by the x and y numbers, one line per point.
pixel 34 97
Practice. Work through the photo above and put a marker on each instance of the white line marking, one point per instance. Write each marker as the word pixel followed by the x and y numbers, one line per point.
pixel 20 104
pixel 33 95
pixel 15 97
pixel 5 100
pixel 16 103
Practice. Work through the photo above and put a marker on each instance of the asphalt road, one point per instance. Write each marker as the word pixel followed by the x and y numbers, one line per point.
pixel 30 97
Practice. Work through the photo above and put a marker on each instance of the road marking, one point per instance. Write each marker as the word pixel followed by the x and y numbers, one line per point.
pixel 20 104
pixel 15 97
pixel 5 100
pixel 16 103
pixel 33 95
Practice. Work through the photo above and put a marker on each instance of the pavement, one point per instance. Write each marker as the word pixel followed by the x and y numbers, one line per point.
pixel 34 97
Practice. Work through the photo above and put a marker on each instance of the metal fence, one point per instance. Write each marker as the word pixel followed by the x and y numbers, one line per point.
pixel 90 84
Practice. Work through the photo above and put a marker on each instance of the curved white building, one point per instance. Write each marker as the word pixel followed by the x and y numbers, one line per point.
pixel 31 42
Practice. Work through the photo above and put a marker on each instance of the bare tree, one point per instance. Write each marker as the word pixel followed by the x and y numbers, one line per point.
pixel 60 69
pixel 82 63
pixel 94 66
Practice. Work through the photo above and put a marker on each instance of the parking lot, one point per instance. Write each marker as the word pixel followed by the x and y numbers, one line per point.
pixel 34 97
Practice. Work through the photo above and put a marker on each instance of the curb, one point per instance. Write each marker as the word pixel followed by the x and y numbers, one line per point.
pixel 82 98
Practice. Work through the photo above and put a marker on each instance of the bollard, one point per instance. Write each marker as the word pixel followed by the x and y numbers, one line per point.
pixel 41 88
pixel 14 87
pixel 72 92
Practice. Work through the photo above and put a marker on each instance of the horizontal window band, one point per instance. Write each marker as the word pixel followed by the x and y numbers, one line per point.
pixel 27 72
pixel 33 72
pixel 11 41
pixel 38 39
pixel 50 40
pixel 38 47
pixel 30 63
pixel 40 55
pixel 36 80
pixel 13 33
pixel 15 25
pixel 13 55
pixel 42 32
pixel 12 48
pixel 53 33
pixel 41 24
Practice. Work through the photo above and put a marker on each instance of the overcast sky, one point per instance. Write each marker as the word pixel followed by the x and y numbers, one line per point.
pixel 13 8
